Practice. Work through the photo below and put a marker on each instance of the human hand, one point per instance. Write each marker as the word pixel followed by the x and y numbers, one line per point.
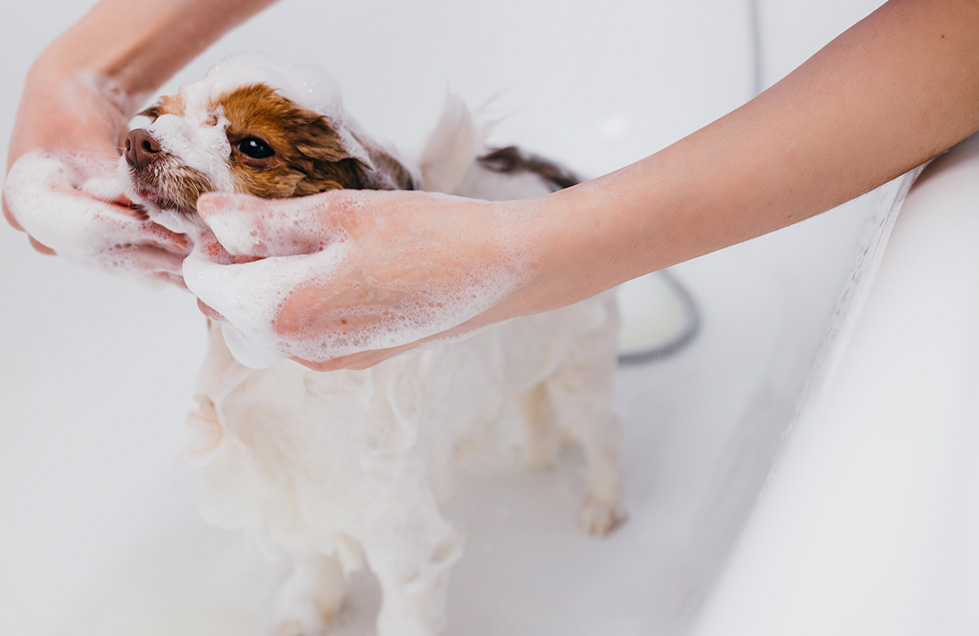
pixel 61 187
pixel 347 279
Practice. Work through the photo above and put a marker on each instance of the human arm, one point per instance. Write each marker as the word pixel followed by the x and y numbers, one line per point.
pixel 897 89
pixel 81 92
pixel 890 93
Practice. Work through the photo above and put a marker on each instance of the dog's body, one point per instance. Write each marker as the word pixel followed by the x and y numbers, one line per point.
pixel 346 467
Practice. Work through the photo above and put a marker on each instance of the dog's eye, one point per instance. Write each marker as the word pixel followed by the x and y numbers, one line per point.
pixel 255 148
pixel 152 112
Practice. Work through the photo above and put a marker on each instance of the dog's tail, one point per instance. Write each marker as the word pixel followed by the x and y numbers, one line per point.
pixel 452 147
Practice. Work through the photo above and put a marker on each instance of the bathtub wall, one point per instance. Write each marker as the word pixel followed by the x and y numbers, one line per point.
pixel 867 522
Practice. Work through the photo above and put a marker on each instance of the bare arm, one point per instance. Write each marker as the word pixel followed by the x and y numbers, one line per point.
pixel 132 47
pixel 140 43
pixel 892 92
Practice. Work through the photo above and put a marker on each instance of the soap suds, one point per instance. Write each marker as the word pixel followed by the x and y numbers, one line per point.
pixel 65 201
pixel 251 295
pixel 306 85
pixel 304 260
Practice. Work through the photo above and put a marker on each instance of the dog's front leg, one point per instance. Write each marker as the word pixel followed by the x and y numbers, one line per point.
pixel 580 395
pixel 411 551
pixel 311 597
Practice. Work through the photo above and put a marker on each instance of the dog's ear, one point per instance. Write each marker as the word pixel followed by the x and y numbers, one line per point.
pixel 348 161
pixel 387 172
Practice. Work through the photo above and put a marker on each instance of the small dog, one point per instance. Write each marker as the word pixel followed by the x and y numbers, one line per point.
pixel 346 467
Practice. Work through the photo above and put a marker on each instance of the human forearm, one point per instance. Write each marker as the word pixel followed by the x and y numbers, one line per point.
pixel 139 44
pixel 894 91
pixel 80 94
pixel 125 48
pixel 900 87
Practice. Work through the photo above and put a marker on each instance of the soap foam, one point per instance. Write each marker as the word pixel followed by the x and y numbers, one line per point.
pixel 251 296
pixel 63 200
pixel 307 86
pixel 274 228
pixel 198 137
pixel 203 148
pixel 302 257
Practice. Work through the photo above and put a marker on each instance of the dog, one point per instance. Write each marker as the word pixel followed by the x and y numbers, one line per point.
pixel 352 467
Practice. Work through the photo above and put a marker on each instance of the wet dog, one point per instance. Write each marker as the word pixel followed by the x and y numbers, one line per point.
pixel 350 467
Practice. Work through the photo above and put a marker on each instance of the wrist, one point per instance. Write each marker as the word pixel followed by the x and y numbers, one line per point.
pixel 566 266
pixel 580 254
pixel 103 69
pixel 137 45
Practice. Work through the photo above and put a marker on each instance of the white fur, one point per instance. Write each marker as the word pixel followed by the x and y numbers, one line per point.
pixel 352 467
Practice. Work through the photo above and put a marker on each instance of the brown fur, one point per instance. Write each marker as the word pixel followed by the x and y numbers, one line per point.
pixel 512 159
pixel 166 105
pixel 182 187
pixel 178 186
pixel 309 154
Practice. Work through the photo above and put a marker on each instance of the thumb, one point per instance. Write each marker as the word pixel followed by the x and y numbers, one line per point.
pixel 249 226
pixel 7 214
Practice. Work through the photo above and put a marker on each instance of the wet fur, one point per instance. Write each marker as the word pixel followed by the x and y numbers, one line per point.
pixel 309 155
pixel 351 467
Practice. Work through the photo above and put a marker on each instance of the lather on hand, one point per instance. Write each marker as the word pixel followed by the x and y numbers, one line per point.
pixel 322 278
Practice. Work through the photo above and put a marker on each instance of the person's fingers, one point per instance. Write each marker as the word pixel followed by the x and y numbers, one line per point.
pixel 213 204
pixel 169 278
pixel 208 311
pixel 246 295
pixel 249 226
pixel 154 235
pixel 325 366
pixel 209 247
pixel 132 220
pixel 147 259
pixel 358 361
pixel 367 360
pixel 162 238
pixel 41 247
pixel 9 216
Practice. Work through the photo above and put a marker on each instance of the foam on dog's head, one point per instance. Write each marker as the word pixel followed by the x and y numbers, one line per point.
pixel 257 126
pixel 307 86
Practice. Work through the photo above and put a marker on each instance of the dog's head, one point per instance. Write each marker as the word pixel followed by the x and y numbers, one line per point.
pixel 229 134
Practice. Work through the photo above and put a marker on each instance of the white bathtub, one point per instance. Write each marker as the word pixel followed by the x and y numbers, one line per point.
pixel 868 523
pixel 98 529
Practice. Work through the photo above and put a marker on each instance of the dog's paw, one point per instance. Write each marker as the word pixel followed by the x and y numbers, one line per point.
pixel 310 620
pixel 297 628
pixel 598 517
pixel 539 459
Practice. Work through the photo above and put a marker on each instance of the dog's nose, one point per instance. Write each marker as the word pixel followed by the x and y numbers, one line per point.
pixel 142 148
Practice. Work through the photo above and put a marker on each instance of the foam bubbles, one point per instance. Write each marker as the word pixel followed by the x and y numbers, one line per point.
pixel 273 228
pixel 425 285
pixel 203 148
pixel 322 294
pixel 64 201
pixel 307 86
pixel 251 295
